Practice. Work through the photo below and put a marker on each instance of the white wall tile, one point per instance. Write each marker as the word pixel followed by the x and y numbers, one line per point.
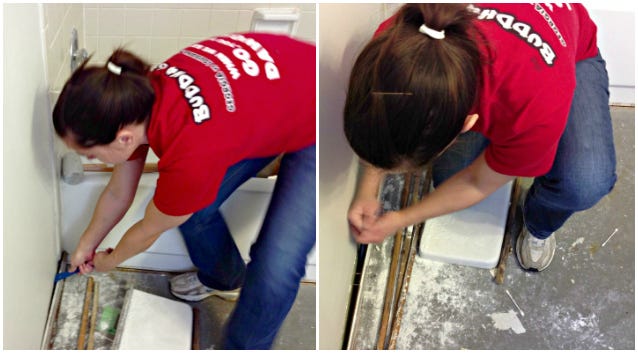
pixel 163 48
pixel 74 18
pixel 153 31
pixel 244 20
pixel 59 19
pixel 140 46
pixel 166 22
pixel 235 6
pixel 195 23
pixel 105 47
pixel 112 22
pixel 310 7
pixel 144 6
pixel 111 6
pixel 201 6
pixel 91 21
pixel 253 6
pixel 222 22
pixel 54 14
pixel 184 42
pixel 139 22
pixel 90 44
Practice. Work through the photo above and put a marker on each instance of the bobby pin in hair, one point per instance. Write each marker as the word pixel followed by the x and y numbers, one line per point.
pixel 393 93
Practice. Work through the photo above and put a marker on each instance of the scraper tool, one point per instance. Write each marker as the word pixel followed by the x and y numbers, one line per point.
pixel 63 275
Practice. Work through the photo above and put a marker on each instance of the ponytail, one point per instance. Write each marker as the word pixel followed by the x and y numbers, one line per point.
pixel 413 85
pixel 127 63
pixel 97 101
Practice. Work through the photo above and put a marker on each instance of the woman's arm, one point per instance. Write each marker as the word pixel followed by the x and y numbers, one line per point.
pixel 464 189
pixel 109 210
pixel 138 238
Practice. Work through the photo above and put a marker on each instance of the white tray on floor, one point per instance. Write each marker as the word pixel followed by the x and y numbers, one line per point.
pixel 149 321
pixel 471 237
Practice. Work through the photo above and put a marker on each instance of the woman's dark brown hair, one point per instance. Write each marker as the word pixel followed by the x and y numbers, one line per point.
pixel 409 94
pixel 96 102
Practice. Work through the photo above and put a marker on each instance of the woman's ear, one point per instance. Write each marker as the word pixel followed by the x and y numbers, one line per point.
pixel 470 120
pixel 125 137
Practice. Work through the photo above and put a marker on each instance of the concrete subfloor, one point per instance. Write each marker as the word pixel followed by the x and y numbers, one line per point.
pixel 297 332
pixel 584 300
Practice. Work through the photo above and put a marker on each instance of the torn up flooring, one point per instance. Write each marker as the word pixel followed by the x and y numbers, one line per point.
pixel 584 300
pixel 297 332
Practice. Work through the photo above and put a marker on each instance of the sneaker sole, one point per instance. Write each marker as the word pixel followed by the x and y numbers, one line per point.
pixel 518 252
pixel 231 297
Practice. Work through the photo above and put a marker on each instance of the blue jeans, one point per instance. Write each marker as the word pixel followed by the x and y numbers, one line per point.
pixel 584 170
pixel 271 279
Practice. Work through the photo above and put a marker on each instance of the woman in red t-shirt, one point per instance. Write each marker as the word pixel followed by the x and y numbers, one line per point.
pixel 215 114
pixel 486 92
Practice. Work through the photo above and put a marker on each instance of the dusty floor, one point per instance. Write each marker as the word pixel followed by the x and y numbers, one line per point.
pixel 297 332
pixel 584 300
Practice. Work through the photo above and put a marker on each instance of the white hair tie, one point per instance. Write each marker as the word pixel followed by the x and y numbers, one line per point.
pixel 114 68
pixel 431 32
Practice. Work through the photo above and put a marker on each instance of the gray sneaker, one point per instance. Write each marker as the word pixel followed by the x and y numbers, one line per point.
pixel 188 287
pixel 533 253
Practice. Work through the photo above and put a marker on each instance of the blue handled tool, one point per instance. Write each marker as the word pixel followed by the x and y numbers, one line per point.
pixel 63 275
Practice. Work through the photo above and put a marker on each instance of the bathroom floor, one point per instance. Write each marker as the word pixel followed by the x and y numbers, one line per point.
pixel 297 332
pixel 584 300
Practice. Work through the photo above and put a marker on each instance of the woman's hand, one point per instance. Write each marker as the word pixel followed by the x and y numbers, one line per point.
pixel 82 257
pixel 375 230
pixel 363 210
pixel 102 261
pixel 365 207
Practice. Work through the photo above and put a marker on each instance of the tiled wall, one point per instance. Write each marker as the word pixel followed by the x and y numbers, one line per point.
pixel 58 21
pixel 153 31
pixel 157 31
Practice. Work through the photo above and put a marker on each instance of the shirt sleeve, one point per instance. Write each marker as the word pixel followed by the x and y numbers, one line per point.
pixel 140 152
pixel 527 148
pixel 384 25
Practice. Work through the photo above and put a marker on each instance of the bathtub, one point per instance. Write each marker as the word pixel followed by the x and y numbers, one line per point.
pixel 243 211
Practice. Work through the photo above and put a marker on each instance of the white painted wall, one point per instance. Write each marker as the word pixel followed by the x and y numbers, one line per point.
pixel 343 30
pixel 30 245
pixel 617 43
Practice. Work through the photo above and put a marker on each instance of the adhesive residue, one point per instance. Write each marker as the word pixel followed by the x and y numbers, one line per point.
pixel 507 321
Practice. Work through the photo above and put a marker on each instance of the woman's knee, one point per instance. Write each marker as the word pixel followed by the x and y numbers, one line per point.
pixel 584 192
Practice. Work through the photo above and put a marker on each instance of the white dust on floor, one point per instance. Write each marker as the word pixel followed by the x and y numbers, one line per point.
pixel 438 307
pixel 507 321
pixel 69 317
pixel 111 292
pixel 450 307
pixel 578 241
pixel 372 294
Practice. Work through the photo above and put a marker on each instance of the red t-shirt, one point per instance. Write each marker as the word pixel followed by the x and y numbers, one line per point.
pixel 223 100
pixel 529 83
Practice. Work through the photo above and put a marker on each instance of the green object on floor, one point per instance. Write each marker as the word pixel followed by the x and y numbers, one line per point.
pixel 108 320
